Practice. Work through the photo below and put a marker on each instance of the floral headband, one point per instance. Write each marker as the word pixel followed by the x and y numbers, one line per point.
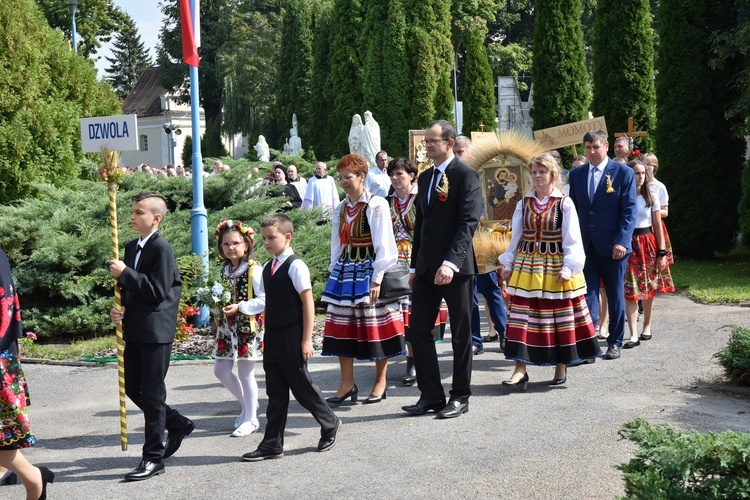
pixel 237 224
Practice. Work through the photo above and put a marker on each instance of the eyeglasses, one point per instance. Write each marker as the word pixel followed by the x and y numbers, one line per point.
pixel 432 142
pixel 347 177
pixel 232 244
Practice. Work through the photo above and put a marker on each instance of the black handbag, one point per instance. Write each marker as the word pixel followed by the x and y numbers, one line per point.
pixel 395 284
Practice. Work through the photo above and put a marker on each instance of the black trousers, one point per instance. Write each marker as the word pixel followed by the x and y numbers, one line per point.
pixel 425 302
pixel 146 367
pixel 285 370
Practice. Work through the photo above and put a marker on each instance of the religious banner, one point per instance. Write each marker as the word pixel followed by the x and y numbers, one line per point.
pixel 568 135
pixel 417 151
pixel 477 137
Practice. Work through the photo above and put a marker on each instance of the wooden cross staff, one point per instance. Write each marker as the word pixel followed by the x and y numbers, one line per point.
pixel 481 126
pixel 631 134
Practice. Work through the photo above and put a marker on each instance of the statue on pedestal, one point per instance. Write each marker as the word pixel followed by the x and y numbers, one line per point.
pixel 295 143
pixel 355 136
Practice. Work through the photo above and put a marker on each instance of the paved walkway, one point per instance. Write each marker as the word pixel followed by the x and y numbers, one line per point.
pixel 549 442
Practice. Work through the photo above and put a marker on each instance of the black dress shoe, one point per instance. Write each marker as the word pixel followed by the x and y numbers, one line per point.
pixel 503 341
pixel 376 399
pixel 411 372
pixel 47 477
pixel 258 455
pixel 145 470
pixel 423 407
pixel 333 400
pixel 613 352
pixel 560 381
pixel 521 385
pixel 490 338
pixel 326 443
pixel 478 350
pixel 631 344
pixel 174 439
pixel 588 361
pixel 454 408
pixel 645 336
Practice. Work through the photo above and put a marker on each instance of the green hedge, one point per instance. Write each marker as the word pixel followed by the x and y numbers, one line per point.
pixel 671 464
pixel 58 241
pixel 735 357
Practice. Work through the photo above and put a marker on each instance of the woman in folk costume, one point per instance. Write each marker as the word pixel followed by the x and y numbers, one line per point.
pixel 549 322
pixel 358 324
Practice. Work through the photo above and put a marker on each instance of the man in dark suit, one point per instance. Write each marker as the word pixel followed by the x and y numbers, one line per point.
pixel 603 192
pixel 449 204
pixel 151 286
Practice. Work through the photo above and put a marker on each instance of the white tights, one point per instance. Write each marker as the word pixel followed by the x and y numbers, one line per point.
pixel 243 386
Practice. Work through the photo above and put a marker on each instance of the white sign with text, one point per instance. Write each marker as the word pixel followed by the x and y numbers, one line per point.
pixel 115 133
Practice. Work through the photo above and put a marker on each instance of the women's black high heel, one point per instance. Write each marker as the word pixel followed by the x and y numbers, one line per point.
pixel 376 399
pixel 560 381
pixel 521 385
pixel 47 477
pixel 351 394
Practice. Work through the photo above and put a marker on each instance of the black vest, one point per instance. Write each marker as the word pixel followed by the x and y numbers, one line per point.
pixel 283 305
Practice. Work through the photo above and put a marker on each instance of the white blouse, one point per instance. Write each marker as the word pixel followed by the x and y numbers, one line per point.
pixel 258 302
pixel 574 255
pixel 643 213
pixel 660 190
pixel 379 217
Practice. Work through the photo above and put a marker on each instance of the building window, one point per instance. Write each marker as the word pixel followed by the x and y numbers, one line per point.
pixel 143 142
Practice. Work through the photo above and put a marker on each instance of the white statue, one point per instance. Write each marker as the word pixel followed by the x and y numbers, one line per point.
pixel 261 148
pixel 295 143
pixel 370 139
pixel 355 136
pixel 287 148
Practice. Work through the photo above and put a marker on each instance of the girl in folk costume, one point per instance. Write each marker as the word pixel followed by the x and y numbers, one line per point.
pixel 648 258
pixel 549 322
pixel 239 336
pixel 403 174
pixel 358 324
pixel 651 162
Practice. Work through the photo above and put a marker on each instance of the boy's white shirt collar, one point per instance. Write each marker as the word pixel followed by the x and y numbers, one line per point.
pixel 283 255
pixel 142 241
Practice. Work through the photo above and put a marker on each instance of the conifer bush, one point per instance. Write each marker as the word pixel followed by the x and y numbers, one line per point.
pixel 735 357
pixel 689 465
pixel 58 242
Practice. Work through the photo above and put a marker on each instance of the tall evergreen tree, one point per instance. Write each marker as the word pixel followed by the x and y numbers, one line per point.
pixel 561 88
pixel 386 73
pixel 479 91
pixel 624 67
pixel 721 17
pixel 431 55
pixel 129 58
pixel 345 77
pixel 296 65
pixel 321 96
pixel 687 154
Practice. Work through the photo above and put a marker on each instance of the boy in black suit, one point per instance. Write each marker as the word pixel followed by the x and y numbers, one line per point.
pixel 151 286
pixel 289 316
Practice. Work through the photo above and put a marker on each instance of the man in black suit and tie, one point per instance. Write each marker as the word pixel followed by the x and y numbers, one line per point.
pixel 449 204
pixel 151 286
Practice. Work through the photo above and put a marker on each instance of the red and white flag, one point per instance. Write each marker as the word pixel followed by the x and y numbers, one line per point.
pixel 189 47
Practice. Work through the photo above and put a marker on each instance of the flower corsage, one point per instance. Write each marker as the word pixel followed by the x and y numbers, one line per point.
pixel 442 189
pixel 610 188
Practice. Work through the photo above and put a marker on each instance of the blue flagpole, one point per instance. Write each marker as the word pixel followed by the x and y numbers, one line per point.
pixel 198 214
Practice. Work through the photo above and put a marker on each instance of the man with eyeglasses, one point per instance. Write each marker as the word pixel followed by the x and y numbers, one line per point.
pixel 321 191
pixel 449 203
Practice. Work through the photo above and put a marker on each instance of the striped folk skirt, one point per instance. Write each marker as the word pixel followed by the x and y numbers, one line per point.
pixel 550 331
pixel 438 332
pixel 364 331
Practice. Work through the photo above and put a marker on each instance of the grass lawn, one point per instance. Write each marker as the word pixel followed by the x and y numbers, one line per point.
pixel 718 281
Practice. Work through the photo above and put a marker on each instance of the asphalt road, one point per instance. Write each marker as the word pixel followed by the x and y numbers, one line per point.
pixel 559 442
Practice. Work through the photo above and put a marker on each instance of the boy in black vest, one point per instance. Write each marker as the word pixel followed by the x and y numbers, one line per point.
pixel 289 319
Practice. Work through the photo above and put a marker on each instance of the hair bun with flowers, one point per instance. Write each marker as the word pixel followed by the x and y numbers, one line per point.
pixel 237 224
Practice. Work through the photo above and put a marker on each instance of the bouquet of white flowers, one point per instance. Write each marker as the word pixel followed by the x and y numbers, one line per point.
pixel 214 296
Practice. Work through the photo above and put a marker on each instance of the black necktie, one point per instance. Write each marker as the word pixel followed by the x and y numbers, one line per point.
pixel 435 177
pixel 138 249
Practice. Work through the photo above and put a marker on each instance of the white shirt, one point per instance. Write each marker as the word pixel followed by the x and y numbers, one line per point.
pixel 141 243
pixel 301 186
pixel 298 272
pixel 574 255
pixel 660 190
pixel 321 192
pixel 643 213
pixel 379 217
pixel 378 182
